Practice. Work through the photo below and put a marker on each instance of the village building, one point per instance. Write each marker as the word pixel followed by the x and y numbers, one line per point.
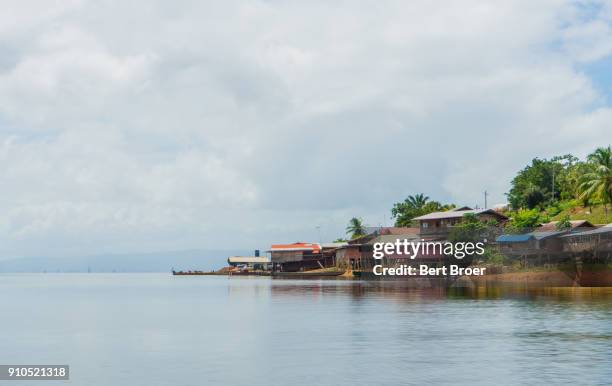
pixel 573 224
pixel 593 243
pixel 251 263
pixel 440 224
pixel 301 256
pixel 357 254
pixel 533 248
pixel 542 245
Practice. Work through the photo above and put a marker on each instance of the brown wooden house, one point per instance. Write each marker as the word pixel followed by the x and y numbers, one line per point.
pixel 301 256
pixel 439 224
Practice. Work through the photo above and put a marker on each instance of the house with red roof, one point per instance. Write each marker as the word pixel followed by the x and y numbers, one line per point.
pixel 300 256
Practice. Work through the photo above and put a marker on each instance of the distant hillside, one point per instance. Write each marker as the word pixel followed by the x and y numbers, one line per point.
pixel 145 262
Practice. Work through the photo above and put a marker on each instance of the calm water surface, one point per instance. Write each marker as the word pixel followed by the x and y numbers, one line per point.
pixel 155 329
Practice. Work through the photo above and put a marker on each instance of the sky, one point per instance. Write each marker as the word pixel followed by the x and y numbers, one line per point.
pixel 152 125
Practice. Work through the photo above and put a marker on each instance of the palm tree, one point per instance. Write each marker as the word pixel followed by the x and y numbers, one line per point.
pixel 598 183
pixel 355 228
pixel 417 201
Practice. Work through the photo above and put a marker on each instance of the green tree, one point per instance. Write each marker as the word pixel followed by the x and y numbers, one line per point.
pixel 533 196
pixel 542 181
pixel 418 200
pixel 414 206
pixel 355 228
pixel 469 229
pixel 564 223
pixel 572 179
pixel 597 184
pixel 524 219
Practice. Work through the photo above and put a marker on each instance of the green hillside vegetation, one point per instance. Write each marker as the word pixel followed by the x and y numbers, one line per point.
pixel 595 214
pixel 561 211
pixel 562 188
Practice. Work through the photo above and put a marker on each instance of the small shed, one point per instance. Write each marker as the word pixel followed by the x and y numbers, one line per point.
pixel 250 262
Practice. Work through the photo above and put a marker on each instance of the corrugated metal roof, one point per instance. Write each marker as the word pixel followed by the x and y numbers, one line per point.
pixel 334 245
pixel 248 259
pixel 460 208
pixel 521 238
pixel 511 238
pixel 547 234
pixel 299 246
pixel 604 229
pixel 391 230
pixel 392 238
pixel 399 231
pixel 455 214
pixel 551 226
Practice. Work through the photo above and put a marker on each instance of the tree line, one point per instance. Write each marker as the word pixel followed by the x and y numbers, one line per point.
pixel 541 184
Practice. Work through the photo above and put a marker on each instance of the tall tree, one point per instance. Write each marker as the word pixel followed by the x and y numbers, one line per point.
pixel 414 206
pixel 355 228
pixel 598 183
pixel 542 182
pixel 417 201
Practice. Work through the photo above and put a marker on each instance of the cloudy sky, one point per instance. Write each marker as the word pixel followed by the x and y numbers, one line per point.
pixel 155 125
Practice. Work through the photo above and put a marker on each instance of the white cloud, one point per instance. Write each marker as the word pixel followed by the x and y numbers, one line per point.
pixel 160 125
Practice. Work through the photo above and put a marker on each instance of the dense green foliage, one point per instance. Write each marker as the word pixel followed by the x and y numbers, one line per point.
pixel 415 206
pixel 545 181
pixel 546 185
pixel 470 229
pixel 526 219
pixel 597 183
pixel 556 188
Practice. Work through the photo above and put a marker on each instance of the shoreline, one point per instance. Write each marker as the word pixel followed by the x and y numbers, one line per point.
pixel 587 277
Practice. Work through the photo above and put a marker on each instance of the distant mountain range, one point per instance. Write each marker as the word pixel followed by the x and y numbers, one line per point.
pixel 204 260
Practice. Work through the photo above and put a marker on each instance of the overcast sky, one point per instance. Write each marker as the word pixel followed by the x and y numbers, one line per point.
pixel 162 125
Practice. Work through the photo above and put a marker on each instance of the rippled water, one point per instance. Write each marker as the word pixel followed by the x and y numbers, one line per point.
pixel 162 330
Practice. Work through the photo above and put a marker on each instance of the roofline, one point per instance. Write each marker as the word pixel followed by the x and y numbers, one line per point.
pixel 595 231
pixel 293 249
pixel 453 214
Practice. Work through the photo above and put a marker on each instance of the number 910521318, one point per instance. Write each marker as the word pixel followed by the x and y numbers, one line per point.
pixel 33 372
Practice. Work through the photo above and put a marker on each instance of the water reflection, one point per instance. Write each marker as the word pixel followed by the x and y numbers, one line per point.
pixel 399 290
pixel 158 330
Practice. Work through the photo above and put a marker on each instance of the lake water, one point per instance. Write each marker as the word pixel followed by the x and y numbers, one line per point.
pixel 155 329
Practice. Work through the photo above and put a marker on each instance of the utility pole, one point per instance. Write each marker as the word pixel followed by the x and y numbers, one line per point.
pixel 485 197
pixel 552 197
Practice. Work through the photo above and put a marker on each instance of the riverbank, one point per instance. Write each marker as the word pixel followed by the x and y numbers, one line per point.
pixel 230 271
pixel 588 276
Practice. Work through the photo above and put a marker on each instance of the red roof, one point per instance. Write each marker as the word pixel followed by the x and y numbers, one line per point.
pixel 299 246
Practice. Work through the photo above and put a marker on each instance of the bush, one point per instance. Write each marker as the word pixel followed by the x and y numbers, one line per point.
pixel 525 219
